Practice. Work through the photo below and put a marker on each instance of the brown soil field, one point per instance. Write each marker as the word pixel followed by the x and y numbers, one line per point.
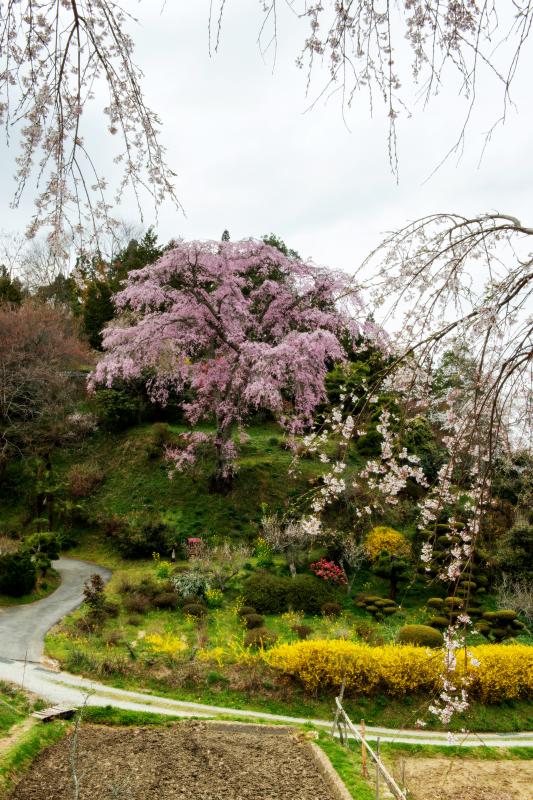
pixel 189 760
pixel 468 779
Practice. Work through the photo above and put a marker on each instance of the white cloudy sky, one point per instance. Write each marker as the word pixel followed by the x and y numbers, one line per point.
pixel 250 159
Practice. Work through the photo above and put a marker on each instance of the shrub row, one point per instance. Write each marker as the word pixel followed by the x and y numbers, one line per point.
pixel 505 672
pixel 273 594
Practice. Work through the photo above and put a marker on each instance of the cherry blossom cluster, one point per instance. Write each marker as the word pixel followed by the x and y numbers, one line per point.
pixel 233 327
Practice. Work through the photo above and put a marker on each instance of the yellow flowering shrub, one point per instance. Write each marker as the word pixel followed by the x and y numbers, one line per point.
pixel 165 643
pixel 504 671
pixel 384 538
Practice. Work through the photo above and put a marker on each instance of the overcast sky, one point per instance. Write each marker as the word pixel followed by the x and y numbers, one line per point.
pixel 251 159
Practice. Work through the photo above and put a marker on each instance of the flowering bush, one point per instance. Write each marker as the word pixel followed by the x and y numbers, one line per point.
pixel 496 672
pixel 386 539
pixel 214 598
pixel 191 584
pixel 263 552
pixel 329 571
pixel 165 643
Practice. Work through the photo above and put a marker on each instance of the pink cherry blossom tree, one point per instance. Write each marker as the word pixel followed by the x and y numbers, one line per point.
pixel 237 326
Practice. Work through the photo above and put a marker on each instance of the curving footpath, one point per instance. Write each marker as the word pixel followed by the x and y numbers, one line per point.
pixel 22 631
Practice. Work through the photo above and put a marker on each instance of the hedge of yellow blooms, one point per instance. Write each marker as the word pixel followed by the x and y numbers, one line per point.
pixel 497 672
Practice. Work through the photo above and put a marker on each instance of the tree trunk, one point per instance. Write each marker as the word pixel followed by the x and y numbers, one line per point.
pixel 222 478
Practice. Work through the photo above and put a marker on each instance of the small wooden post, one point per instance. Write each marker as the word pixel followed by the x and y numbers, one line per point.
pixel 403 773
pixel 364 769
pixel 377 769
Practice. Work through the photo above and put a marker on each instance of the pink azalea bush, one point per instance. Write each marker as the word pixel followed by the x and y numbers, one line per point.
pixel 329 571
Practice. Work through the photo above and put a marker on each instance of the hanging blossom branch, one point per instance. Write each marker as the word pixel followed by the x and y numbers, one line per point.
pixel 55 54
pixel 462 483
pixel 367 46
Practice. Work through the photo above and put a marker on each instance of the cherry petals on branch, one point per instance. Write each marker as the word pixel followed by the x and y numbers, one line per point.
pixel 56 56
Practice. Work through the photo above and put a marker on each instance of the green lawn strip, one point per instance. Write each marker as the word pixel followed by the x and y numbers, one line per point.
pixel 18 758
pixel 14 706
pixel 45 587
pixel 347 763
pixel 391 751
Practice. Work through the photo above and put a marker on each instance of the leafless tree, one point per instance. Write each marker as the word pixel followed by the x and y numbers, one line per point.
pixel 54 56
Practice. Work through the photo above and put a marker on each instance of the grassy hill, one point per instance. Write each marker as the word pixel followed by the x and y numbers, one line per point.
pixel 131 480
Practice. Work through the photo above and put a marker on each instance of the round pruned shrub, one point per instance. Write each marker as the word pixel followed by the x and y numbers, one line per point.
pixel 422 635
pixel 245 610
pixel 307 593
pixel 454 602
pixel 302 631
pixel 137 603
pixel 195 610
pixel 435 602
pixel 331 609
pixel 166 600
pixel 266 592
pixel 260 637
pixel 438 622
pixel 253 621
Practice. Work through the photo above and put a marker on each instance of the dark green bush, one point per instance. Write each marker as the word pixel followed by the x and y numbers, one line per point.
pixel 420 634
pixel 260 637
pixel 435 602
pixel 118 409
pixel 17 574
pixel 140 540
pixel 266 592
pixel 308 594
pixel 160 437
pixel 254 621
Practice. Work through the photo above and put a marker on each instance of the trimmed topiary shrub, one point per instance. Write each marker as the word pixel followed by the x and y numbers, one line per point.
pixel 435 602
pixel 166 600
pixel 438 622
pixel 195 610
pixel 253 621
pixel 245 610
pixel 302 631
pixel 266 592
pixel 260 637
pixel 422 635
pixel 137 603
pixel 307 593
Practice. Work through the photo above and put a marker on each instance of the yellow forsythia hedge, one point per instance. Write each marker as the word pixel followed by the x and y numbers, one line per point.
pixel 505 672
